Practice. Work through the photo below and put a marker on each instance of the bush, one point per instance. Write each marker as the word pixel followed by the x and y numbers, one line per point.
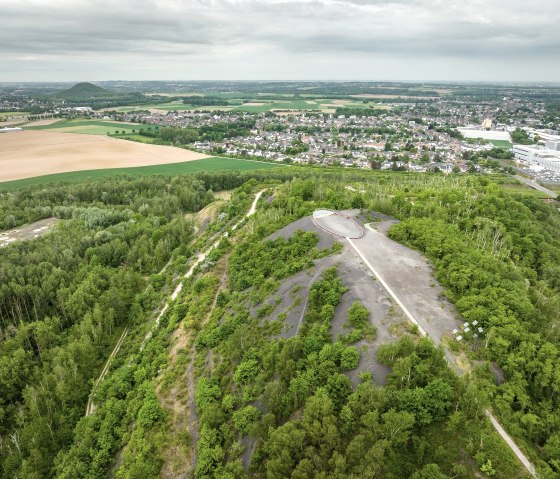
pixel 245 418
pixel 358 315
pixel 349 358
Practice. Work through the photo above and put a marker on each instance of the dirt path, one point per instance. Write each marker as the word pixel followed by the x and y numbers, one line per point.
pixel 194 432
pixel 511 444
pixel 90 408
pixel 304 309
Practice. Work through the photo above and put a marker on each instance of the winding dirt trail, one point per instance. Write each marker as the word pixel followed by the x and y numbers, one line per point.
pixel 90 408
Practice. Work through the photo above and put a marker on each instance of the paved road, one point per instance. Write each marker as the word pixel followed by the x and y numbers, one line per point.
pixel 536 186
pixel 364 249
pixel 90 408
pixel 511 444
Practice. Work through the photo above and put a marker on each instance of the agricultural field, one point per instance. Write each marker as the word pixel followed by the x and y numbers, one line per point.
pixel 10 115
pixel 553 186
pixel 171 106
pixel 324 105
pixel 88 127
pixel 12 118
pixel 35 153
pixel 205 165
pixel 284 102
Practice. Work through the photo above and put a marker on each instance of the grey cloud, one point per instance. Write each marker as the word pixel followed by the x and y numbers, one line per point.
pixel 215 34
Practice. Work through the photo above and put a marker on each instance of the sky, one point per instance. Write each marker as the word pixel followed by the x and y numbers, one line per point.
pixel 407 40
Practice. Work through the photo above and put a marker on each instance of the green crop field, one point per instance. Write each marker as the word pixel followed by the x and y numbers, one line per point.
pixel 89 127
pixel 134 137
pixel 321 104
pixel 504 144
pixel 9 114
pixel 233 102
pixel 172 169
pixel 171 106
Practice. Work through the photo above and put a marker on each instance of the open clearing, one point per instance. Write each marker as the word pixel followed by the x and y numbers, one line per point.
pixel 27 154
pixel 26 232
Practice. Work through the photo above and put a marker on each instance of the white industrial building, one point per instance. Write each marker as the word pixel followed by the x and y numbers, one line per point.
pixel 544 135
pixel 485 134
pixel 537 158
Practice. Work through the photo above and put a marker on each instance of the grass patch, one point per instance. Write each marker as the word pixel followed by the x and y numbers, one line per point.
pixel 524 190
pixel 171 106
pixel 134 137
pixel 172 169
pixel 10 114
pixel 321 104
pixel 504 144
pixel 89 127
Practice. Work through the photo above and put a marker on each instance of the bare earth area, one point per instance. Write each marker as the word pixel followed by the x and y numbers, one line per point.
pixel 47 121
pixel 26 232
pixel 26 154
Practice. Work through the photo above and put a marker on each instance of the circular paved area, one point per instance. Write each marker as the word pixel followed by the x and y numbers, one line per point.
pixel 337 224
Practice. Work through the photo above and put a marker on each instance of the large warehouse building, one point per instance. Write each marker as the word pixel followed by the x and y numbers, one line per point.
pixel 535 157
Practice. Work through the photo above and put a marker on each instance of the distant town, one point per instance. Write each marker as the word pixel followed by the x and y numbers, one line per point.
pixel 414 129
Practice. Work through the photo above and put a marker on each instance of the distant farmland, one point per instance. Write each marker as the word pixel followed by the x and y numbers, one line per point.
pixel 259 105
pixel 172 169
pixel 89 127
pixel 28 154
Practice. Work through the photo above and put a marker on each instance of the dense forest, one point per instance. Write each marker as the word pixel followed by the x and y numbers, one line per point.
pixel 217 389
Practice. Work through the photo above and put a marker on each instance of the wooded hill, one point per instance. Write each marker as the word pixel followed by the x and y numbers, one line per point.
pixel 88 94
pixel 216 390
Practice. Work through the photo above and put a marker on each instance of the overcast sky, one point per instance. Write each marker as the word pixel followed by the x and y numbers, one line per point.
pixel 463 40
